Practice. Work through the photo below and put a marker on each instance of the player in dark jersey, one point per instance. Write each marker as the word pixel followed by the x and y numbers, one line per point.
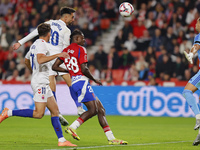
pixel 80 74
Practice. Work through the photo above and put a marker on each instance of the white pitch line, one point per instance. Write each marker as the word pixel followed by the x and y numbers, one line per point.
pixel 140 144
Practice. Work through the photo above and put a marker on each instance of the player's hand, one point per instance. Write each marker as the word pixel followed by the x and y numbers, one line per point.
pixel 16 46
pixel 98 82
pixel 189 56
pixel 63 54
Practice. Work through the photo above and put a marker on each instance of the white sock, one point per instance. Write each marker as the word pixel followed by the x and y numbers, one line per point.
pixel 75 124
pixel 9 113
pixel 197 116
pixel 62 139
pixel 109 135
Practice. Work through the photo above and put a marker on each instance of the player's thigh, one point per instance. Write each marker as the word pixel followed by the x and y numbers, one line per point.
pixel 191 87
pixel 52 106
pixel 52 83
pixel 67 79
pixel 91 105
pixel 100 107
pixel 40 107
pixel 194 83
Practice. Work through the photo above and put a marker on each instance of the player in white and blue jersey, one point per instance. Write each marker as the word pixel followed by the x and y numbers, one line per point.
pixel 76 64
pixel 37 60
pixel 60 39
pixel 194 83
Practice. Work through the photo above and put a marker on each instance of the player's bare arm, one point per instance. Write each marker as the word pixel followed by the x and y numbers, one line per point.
pixel 195 48
pixel 192 52
pixel 41 58
pixel 28 64
pixel 85 70
pixel 56 66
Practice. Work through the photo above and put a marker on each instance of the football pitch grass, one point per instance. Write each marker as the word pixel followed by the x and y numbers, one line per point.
pixel 142 133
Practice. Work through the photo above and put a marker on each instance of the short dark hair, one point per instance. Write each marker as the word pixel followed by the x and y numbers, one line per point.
pixel 66 10
pixel 74 33
pixel 43 29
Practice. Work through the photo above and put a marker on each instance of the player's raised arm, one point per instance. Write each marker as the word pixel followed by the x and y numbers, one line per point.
pixel 192 52
pixel 25 39
pixel 85 70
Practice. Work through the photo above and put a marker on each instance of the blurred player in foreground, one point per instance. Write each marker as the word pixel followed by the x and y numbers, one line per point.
pixel 194 83
pixel 59 40
pixel 37 60
pixel 76 64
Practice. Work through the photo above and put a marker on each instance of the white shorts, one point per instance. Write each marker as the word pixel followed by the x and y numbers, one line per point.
pixel 55 73
pixel 41 92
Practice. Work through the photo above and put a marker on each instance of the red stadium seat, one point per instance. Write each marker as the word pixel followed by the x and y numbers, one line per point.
pixel 136 54
pixel 105 24
pixel 117 74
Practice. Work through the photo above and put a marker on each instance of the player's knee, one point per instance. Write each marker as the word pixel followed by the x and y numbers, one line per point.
pixel 93 111
pixel 102 111
pixel 55 113
pixel 186 92
pixel 39 115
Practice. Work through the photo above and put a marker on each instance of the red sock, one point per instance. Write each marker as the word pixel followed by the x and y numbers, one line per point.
pixel 106 128
pixel 80 120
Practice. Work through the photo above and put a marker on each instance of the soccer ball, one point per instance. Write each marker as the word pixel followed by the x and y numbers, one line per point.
pixel 126 9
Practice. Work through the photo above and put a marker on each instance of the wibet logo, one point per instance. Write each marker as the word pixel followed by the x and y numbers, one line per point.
pixel 149 102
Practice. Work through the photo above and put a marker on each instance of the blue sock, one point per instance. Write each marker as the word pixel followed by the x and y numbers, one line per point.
pixel 54 94
pixel 75 98
pixel 57 127
pixel 191 101
pixel 23 113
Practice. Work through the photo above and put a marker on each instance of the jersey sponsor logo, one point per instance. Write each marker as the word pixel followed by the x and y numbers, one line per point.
pixel 70 51
pixel 150 102
pixel 74 78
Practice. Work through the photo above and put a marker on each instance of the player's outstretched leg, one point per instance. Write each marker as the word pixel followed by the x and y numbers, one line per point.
pixel 197 140
pixel 104 124
pixel 20 113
